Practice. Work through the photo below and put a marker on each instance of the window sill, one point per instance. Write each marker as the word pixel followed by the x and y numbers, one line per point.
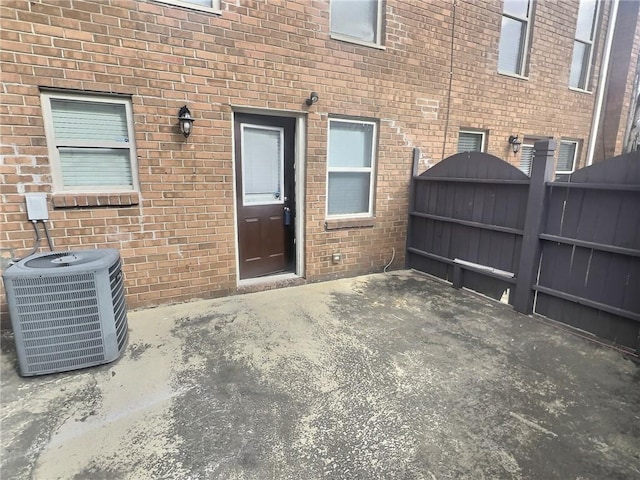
pixel 190 6
pixel 513 75
pixel 338 223
pixel 346 38
pixel 580 90
pixel 82 200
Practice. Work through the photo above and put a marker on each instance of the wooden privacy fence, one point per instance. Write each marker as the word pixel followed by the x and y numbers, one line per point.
pixel 567 249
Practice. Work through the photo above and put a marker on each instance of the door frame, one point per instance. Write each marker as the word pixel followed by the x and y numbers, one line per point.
pixel 299 176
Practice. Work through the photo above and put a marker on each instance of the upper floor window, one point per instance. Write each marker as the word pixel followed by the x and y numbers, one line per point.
pixel 470 142
pixel 514 36
pixel 205 5
pixel 351 168
pixel 583 44
pixel 358 21
pixel 91 142
pixel 567 154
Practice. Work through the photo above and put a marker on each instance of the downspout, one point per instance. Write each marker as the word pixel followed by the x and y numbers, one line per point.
pixel 602 83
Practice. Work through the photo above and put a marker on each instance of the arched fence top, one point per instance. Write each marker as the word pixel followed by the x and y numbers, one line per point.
pixel 476 165
pixel 621 170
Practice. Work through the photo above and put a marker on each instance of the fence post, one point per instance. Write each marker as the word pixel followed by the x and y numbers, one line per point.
pixel 412 202
pixel 541 172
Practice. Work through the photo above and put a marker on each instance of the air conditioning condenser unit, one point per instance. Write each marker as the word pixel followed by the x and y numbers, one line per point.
pixel 67 310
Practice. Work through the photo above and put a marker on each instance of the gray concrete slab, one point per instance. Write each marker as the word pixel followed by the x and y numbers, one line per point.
pixel 381 377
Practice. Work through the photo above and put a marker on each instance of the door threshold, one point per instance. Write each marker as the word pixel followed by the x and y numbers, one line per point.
pixel 267 279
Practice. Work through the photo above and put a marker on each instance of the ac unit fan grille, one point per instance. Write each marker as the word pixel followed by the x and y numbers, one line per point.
pixel 56 312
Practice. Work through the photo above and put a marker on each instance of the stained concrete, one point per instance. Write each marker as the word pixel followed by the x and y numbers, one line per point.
pixel 381 377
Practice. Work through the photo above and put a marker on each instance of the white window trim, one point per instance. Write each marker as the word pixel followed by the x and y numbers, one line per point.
pixel 476 132
pixel 525 46
pixel 192 6
pixel 590 43
pixel 347 38
pixel 52 145
pixel 575 157
pixel 371 170
pixel 277 201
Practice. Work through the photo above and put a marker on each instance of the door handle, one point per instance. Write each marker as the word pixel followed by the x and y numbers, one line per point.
pixel 286 217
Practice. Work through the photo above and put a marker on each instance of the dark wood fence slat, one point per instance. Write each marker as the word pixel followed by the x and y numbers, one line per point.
pixel 595 186
pixel 484 226
pixel 589 303
pixel 491 181
pixel 593 245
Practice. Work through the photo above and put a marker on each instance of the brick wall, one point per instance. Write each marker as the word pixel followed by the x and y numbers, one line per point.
pixel 176 235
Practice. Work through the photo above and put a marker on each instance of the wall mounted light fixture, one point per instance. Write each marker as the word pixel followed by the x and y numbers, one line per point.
pixel 186 122
pixel 515 143
pixel 313 98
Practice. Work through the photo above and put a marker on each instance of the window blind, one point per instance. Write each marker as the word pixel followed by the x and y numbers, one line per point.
pixel 262 164
pixel 348 192
pixel 92 141
pixel 526 158
pixel 355 18
pixel 95 166
pixel 511 45
pixel 89 121
pixel 566 157
pixel 469 142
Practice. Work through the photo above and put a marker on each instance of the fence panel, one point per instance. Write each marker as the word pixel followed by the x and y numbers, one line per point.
pixel 467 216
pixel 471 215
pixel 589 274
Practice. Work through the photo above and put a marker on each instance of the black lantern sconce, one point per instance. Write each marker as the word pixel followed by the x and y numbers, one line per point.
pixel 313 98
pixel 186 122
pixel 515 143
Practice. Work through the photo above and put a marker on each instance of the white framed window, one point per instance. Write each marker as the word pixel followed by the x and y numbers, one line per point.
pixel 351 168
pixel 91 142
pixel 514 37
pixel 567 154
pixel 526 156
pixel 212 6
pixel 469 141
pixel 357 21
pixel 583 44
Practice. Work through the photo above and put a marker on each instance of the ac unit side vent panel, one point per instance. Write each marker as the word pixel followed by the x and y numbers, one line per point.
pixel 67 310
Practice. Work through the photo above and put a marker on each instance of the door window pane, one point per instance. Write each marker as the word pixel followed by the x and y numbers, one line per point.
pixel 355 18
pixel 262 165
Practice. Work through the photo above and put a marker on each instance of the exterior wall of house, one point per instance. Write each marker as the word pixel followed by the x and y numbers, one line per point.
pixel 177 233
pixel 622 69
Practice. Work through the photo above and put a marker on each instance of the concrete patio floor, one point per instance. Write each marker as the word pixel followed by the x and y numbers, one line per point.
pixel 393 376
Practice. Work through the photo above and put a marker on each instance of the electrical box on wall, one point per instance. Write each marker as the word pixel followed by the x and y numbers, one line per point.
pixel 37 206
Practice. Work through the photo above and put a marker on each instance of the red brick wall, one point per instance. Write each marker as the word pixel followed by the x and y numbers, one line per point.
pixel 177 236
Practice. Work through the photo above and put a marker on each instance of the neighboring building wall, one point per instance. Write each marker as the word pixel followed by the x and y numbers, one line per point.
pixel 177 234
pixel 622 70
